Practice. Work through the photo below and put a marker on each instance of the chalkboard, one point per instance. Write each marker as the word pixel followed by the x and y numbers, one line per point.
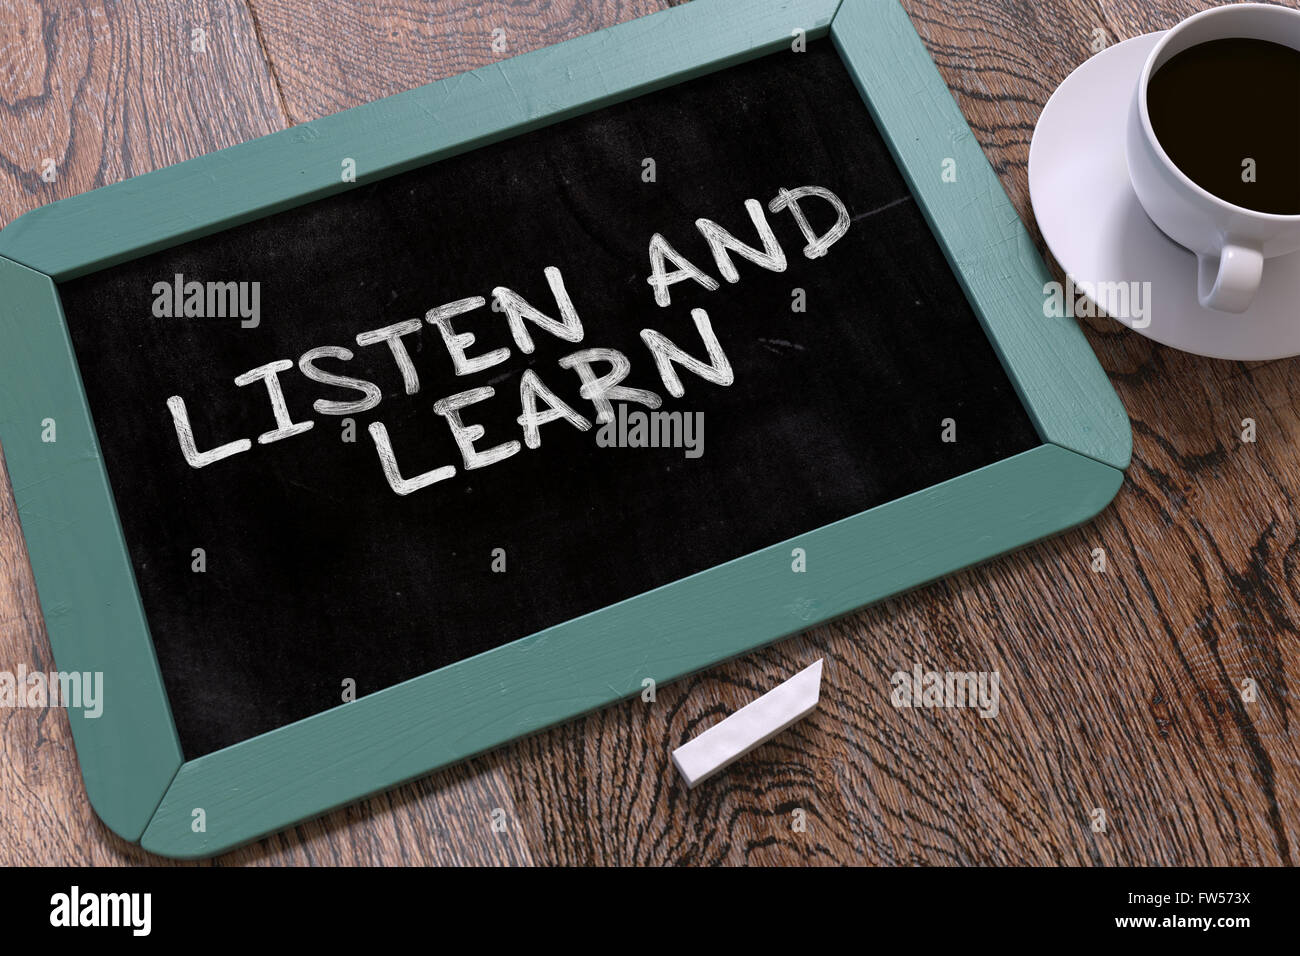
pixel 845 367
pixel 388 438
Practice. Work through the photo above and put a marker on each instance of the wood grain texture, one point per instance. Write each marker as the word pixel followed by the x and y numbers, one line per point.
pixel 328 57
pixel 1120 690
pixel 111 90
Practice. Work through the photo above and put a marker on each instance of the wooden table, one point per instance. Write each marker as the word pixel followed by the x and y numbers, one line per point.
pixel 1122 690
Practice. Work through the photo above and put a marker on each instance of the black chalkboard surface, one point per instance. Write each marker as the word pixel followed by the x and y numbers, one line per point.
pixel 316 572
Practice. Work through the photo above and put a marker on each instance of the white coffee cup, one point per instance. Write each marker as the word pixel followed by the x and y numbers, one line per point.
pixel 1230 242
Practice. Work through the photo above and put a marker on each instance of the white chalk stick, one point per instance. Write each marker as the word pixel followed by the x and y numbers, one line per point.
pixel 755 723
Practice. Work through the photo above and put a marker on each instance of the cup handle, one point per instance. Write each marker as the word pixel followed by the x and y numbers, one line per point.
pixel 1228 282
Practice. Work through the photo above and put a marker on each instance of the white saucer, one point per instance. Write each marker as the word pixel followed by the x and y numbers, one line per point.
pixel 1098 232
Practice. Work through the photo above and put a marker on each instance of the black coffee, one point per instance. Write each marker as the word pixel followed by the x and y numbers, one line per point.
pixel 1218 105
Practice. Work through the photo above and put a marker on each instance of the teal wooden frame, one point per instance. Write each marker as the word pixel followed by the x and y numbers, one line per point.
pixel 130 757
